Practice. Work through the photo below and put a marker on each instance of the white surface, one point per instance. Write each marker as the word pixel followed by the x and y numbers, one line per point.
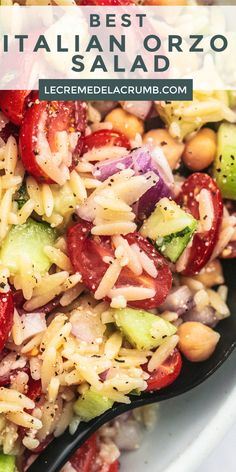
pixel 190 427
pixel 222 458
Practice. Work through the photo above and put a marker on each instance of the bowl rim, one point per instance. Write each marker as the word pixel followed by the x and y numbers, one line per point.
pixel 193 456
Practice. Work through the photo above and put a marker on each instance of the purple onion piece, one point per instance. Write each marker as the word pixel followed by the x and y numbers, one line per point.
pixel 206 316
pixel 148 201
pixel 106 169
pixel 179 300
pixel 129 435
pixel 141 162
pixel 138 108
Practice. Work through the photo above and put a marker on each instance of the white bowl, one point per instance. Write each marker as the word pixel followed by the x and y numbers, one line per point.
pixel 188 427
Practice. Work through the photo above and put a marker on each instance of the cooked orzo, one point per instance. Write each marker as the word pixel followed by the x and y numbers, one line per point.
pixel 110 272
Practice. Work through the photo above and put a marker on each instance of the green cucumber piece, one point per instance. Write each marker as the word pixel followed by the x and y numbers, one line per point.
pixel 91 404
pixel 225 162
pixel 29 238
pixel 170 227
pixel 143 329
pixel 232 98
pixel 7 463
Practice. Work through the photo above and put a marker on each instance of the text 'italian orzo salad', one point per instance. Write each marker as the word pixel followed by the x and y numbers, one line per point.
pixel 113 220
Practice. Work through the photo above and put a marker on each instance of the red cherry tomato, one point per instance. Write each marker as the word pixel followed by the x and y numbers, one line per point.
pixel 9 130
pixel 48 118
pixel 204 242
pixel 166 374
pixel 6 317
pixel 34 392
pixel 84 458
pixel 114 467
pixel 105 137
pixel 106 2
pixel 13 103
pixel 34 389
pixel 87 253
pixel 18 298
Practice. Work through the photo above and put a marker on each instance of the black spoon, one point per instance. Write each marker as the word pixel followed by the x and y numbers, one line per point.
pixel 60 449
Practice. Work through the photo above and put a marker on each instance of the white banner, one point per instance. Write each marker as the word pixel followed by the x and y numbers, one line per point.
pixel 196 42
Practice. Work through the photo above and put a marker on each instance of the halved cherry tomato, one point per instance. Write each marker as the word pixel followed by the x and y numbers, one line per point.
pixel 105 137
pixel 13 104
pixel 114 467
pixel 34 389
pixel 42 120
pixel 166 374
pixel 204 242
pixel 6 317
pixel 18 298
pixel 84 458
pixel 87 252
pixel 34 392
pixel 9 130
pixel 106 2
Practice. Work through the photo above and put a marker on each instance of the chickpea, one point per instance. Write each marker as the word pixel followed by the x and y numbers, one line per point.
pixel 200 150
pixel 197 341
pixel 211 274
pixel 166 3
pixel 172 148
pixel 126 123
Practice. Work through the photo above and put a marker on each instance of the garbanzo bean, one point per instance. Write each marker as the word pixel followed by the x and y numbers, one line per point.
pixel 211 274
pixel 200 150
pixel 170 146
pixel 126 123
pixel 197 341
pixel 165 2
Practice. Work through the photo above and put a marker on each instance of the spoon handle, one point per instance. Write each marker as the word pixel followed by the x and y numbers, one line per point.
pixel 61 448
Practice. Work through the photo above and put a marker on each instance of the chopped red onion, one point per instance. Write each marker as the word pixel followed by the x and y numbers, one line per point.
pixel 104 106
pixel 206 316
pixel 32 324
pixel 142 163
pixel 141 160
pixel 138 108
pixel 129 435
pixel 179 300
pixel 86 327
pixel 109 167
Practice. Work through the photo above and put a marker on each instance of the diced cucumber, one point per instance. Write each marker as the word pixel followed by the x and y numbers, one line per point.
pixel 232 98
pixel 170 227
pixel 29 238
pixel 143 329
pixel 7 463
pixel 225 162
pixel 91 404
pixel 173 245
